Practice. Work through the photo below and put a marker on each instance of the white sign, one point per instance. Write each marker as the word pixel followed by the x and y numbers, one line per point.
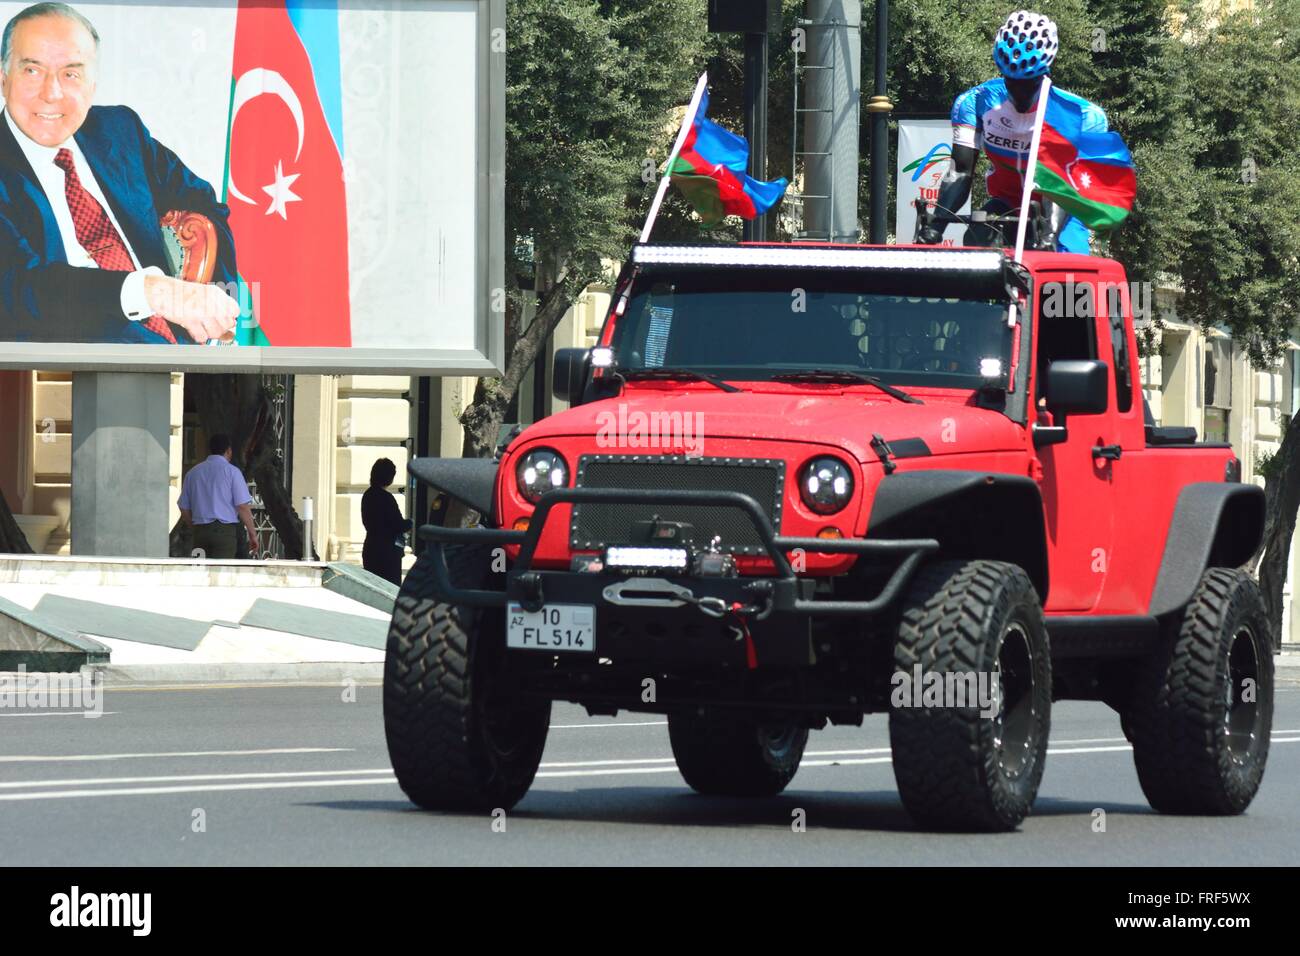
pixel 319 187
pixel 924 156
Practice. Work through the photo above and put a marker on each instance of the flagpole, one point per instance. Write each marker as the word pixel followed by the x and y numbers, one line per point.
pixel 687 122
pixel 1031 165
pixel 1027 189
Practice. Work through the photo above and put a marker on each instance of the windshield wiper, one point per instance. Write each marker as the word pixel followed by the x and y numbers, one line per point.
pixel 671 373
pixel 845 375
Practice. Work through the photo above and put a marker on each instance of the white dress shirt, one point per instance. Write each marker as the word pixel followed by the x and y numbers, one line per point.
pixel 135 305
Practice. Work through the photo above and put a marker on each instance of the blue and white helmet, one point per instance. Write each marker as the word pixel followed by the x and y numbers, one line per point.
pixel 1025 46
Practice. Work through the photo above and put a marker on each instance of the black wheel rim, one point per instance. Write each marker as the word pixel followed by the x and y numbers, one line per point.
pixel 1014 727
pixel 778 739
pixel 506 730
pixel 1241 714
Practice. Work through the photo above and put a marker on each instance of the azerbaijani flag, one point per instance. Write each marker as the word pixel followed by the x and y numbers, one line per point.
pixel 710 171
pixel 1089 173
pixel 284 173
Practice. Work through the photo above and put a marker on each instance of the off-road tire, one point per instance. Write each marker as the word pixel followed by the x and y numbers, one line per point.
pixel 1190 758
pixel 726 757
pixel 957 769
pixel 453 742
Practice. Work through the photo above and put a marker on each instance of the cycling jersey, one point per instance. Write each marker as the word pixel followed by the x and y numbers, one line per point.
pixel 985 118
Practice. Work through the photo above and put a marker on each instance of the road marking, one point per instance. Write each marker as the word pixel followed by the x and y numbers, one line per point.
pixel 41 758
pixel 626 723
pixel 844 762
pixel 65 713
pixel 609 763
pixel 231 685
pixel 198 788
pixel 178 778
pixel 384 776
pixel 611 772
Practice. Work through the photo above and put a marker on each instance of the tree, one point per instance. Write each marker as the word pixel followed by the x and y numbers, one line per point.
pixel 1242 265
pixel 590 94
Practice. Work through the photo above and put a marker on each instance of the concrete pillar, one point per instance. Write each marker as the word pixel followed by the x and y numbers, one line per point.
pixel 121 439
pixel 315 423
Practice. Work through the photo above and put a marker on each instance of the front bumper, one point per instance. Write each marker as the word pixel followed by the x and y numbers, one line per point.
pixel 784 592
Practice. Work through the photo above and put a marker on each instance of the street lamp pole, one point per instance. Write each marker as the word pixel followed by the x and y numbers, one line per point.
pixel 755 230
pixel 880 107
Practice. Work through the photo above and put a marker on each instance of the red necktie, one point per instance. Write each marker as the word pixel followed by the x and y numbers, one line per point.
pixel 96 234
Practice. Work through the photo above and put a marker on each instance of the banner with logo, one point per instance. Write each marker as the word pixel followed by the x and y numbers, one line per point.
pixel 253 185
pixel 924 155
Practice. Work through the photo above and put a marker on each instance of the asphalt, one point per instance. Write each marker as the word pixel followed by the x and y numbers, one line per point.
pixel 267 775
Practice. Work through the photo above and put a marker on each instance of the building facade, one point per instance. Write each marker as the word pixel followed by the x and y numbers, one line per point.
pixel 341 425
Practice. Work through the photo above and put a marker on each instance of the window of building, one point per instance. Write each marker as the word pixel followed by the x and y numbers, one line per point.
pixel 1217 382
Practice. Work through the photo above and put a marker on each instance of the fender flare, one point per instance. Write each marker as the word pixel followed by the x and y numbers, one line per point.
pixel 1001 515
pixel 471 480
pixel 1214 525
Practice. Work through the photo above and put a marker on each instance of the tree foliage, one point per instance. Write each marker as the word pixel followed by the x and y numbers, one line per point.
pixel 591 86
pixel 1243 265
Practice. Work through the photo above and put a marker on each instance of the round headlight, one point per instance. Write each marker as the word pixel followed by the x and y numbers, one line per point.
pixel 539 471
pixel 826 485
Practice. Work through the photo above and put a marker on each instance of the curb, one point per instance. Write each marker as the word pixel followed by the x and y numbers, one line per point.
pixel 301 673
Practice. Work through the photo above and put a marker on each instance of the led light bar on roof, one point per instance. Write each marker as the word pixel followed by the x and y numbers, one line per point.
pixel 799 256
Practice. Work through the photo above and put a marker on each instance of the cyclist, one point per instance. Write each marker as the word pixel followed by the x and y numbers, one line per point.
pixel 998 117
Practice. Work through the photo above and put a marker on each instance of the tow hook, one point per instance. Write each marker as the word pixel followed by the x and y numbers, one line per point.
pixel 530 584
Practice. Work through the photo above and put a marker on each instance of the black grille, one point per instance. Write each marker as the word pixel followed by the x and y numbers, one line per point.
pixel 596 525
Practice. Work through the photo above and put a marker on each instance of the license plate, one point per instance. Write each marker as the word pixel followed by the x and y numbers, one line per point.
pixel 556 627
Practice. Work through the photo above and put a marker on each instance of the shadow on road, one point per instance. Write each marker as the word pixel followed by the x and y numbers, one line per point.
pixel 879 811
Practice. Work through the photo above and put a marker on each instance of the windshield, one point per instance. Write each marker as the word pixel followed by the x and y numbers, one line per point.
pixel 755 325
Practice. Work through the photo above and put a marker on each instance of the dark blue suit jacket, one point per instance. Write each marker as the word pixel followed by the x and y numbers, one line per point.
pixel 42 297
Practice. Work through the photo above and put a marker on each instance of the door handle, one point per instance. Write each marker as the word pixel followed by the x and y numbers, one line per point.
pixel 1111 452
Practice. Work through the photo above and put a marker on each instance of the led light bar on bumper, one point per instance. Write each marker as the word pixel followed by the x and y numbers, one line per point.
pixel 632 557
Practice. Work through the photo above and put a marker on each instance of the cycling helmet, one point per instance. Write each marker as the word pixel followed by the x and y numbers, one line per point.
pixel 1025 46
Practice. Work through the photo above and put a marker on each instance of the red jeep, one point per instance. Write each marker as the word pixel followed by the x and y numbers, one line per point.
pixel 800 484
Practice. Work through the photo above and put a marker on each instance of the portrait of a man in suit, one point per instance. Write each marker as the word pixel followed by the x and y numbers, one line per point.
pixel 82 191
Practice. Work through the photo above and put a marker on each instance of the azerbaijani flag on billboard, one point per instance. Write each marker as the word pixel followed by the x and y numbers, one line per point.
pixel 284 173
pixel 1090 174
pixel 710 172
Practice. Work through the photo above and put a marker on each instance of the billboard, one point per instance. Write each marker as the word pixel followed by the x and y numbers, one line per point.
pixel 253 185
pixel 924 155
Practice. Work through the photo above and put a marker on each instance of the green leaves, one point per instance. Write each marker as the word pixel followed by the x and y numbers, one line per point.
pixel 590 87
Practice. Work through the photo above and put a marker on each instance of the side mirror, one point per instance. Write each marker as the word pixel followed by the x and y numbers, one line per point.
pixel 1077 388
pixel 1073 387
pixel 569 374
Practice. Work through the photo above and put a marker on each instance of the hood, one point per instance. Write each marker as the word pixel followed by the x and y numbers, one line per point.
pixel 844 419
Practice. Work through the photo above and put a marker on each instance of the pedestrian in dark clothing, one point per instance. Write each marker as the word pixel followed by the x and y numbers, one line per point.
pixel 384 546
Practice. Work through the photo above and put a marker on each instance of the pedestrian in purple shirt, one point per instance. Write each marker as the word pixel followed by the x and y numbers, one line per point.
pixel 215 501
